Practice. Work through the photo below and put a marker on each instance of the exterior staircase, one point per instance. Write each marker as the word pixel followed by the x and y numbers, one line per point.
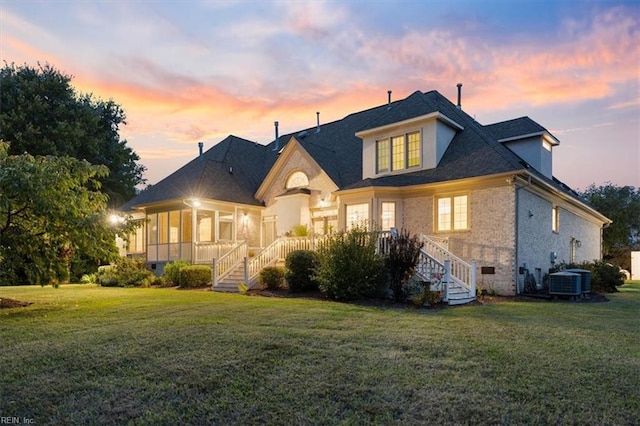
pixel 447 273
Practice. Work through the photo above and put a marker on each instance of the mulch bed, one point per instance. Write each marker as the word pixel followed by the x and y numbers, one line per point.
pixel 11 303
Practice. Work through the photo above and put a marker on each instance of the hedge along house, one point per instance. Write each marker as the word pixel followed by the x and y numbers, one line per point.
pixel 482 198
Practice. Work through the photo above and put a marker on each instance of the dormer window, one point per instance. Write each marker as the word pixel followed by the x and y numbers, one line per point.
pixel 398 152
pixel 297 180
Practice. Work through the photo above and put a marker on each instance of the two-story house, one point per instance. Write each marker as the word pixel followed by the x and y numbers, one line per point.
pixel 482 197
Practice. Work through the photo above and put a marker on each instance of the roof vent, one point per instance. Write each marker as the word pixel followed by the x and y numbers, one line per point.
pixel 388 99
pixel 459 96
pixel 277 147
pixel 317 121
pixel 303 134
pixel 200 147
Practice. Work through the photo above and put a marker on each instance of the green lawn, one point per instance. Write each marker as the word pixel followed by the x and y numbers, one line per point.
pixel 88 355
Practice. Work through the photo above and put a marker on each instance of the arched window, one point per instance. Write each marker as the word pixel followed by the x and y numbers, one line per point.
pixel 297 180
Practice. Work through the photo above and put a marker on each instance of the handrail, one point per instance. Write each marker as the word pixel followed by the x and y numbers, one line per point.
pixel 278 249
pixel 205 251
pixel 226 263
pixel 461 272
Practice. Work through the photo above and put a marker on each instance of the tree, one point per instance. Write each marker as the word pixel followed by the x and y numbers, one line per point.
pixel 401 259
pixel 51 214
pixel 621 204
pixel 41 114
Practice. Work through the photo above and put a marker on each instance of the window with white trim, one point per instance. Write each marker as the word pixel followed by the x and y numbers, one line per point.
pixel 388 216
pixel 453 213
pixel 398 152
pixel 357 214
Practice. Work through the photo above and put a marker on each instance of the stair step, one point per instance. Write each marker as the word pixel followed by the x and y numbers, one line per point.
pixel 226 288
pixel 460 300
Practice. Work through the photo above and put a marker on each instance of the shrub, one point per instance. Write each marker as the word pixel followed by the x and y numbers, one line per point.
pixel 605 278
pixel 195 276
pixel 89 279
pixel 125 272
pixel 349 266
pixel 400 262
pixel 171 272
pixel 272 277
pixel 300 266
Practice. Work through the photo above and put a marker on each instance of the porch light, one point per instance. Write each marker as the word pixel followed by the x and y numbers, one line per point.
pixel 245 219
pixel 115 219
pixel 192 202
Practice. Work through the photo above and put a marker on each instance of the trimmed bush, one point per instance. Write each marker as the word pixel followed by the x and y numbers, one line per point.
pixel 349 266
pixel 171 272
pixel 300 266
pixel 195 276
pixel 272 277
pixel 125 272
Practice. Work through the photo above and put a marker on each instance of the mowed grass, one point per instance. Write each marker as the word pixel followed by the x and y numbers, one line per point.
pixel 83 354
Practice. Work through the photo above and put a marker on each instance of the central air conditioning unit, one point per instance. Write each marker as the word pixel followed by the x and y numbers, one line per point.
pixel 585 275
pixel 565 284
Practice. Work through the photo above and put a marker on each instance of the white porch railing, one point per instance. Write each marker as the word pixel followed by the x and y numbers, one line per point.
pixel 225 264
pixel 459 271
pixel 206 251
pixel 277 250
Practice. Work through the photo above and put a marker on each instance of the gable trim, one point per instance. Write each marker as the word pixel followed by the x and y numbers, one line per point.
pixel 433 115
pixel 292 146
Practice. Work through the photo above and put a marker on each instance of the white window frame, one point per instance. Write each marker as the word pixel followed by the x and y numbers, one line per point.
pixel 405 147
pixel 453 227
pixel 356 214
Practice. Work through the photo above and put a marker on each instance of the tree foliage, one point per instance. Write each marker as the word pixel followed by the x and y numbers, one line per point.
pixel 401 260
pixel 350 267
pixel 52 214
pixel 621 204
pixel 42 114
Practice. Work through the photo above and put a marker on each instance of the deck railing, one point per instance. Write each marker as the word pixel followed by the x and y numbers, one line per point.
pixel 205 251
pixel 277 250
pixel 225 264
pixel 460 272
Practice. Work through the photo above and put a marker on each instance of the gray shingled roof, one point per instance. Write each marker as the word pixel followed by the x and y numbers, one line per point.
pixel 474 151
pixel 230 171
pixel 516 127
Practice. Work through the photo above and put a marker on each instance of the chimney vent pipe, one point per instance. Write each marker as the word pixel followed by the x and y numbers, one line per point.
pixel 389 98
pixel 200 148
pixel 459 96
pixel 317 121
pixel 275 124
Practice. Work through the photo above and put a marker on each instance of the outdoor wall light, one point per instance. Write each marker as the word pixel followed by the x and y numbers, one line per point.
pixel 192 202
pixel 245 219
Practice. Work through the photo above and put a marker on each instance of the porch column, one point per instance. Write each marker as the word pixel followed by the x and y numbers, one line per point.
pixel 194 234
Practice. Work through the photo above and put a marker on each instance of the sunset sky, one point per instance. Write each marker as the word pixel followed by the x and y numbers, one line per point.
pixel 189 71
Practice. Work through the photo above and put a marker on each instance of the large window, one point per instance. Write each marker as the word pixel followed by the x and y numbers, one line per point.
pixel 357 214
pixel 453 213
pixel 398 152
pixel 388 219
